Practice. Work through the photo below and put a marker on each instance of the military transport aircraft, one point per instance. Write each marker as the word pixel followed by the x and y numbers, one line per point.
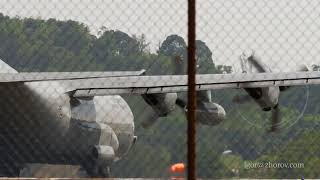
pixel 78 118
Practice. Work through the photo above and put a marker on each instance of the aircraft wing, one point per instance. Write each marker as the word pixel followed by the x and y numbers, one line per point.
pixel 178 83
pixel 49 76
pixel 131 82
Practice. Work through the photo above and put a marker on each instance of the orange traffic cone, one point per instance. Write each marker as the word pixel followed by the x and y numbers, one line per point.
pixel 177 171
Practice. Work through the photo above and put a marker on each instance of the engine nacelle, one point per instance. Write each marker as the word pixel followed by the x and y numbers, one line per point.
pixel 209 113
pixel 104 155
pixel 162 104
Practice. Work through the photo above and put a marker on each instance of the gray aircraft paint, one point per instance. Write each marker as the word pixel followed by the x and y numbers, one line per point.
pixel 269 95
pixel 38 124
pixel 42 124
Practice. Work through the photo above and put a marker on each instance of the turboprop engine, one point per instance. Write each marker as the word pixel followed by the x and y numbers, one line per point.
pixel 266 97
pixel 207 112
pixel 161 104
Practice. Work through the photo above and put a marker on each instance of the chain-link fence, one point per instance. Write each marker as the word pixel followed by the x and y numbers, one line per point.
pixel 77 125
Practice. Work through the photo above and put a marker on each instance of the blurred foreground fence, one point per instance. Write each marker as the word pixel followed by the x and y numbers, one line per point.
pixel 43 127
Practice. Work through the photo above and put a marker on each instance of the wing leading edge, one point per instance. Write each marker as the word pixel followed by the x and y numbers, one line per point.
pixel 81 84
pixel 178 83
pixel 52 76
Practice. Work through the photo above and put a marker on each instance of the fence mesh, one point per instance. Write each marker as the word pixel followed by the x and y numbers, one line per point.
pixel 50 129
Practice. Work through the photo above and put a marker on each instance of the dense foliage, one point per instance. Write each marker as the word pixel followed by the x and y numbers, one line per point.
pixel 51 45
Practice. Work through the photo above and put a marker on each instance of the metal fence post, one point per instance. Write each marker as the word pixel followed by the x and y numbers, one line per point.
pixel 191 90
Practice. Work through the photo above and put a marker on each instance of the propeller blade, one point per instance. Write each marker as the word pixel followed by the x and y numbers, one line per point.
pixel 304 67
pixel 275 118
pixel 244 63
pixel 179 67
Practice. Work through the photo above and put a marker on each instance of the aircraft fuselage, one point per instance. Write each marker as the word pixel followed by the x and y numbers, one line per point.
pixel 40 123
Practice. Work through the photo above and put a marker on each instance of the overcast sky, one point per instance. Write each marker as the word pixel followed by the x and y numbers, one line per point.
pixel 284 33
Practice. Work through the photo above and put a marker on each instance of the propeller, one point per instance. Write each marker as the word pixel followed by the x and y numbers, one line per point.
pixel 162 104
pixel 275 121
pixel 208 113
pixel 251 60
pixel 276 110
pixel 264 95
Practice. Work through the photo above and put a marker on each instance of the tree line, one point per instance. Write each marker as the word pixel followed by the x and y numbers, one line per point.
pixel 51 45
